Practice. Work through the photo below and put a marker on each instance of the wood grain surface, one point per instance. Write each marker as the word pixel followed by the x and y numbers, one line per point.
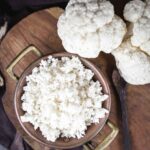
pixel 40 29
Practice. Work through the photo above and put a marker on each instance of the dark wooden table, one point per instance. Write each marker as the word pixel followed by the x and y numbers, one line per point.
pixel 40 29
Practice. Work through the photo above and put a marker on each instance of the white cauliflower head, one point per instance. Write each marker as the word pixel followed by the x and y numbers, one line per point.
pixel 90 26
pixel 137 13
pixel 133 64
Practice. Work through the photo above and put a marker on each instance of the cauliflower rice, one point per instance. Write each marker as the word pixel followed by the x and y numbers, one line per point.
pixel 61 99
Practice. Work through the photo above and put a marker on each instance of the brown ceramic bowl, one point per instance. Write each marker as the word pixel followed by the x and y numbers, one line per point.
pixel 62 143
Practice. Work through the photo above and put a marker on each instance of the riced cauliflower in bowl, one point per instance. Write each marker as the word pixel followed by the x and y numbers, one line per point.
pixel 62 97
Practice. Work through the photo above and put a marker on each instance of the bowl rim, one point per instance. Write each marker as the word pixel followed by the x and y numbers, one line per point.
pixel 56 55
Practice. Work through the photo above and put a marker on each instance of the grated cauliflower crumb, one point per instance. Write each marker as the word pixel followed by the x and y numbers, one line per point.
pixel 61 99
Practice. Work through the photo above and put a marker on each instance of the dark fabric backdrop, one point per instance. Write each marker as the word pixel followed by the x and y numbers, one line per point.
pixel 17 9
pixel 13 11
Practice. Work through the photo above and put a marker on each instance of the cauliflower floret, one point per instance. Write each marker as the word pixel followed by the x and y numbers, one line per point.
pixel 133 64
pixel 141 31
pixel 137 13
pixel 101 12
pixel 89 26
pixel 147 9
pixel 146 47
pixel 134 10
pixel 112 33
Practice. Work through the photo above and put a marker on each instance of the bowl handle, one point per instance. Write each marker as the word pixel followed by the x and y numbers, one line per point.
pixel 106 142
pixel 18 58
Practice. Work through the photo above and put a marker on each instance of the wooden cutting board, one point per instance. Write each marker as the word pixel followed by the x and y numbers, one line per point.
pixel 40 30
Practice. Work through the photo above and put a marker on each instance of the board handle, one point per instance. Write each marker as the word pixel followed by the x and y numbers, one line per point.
pixel 106 142
pixel 18 58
